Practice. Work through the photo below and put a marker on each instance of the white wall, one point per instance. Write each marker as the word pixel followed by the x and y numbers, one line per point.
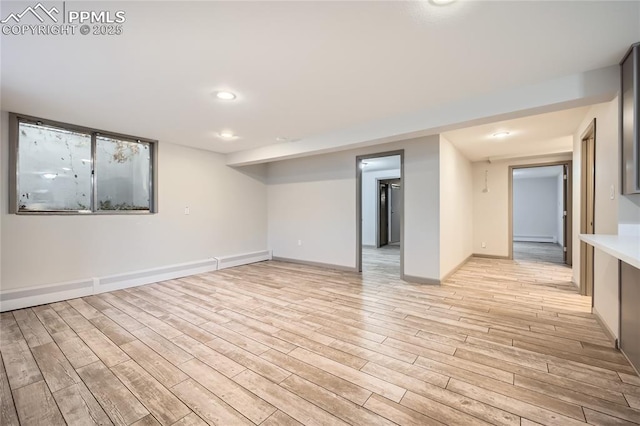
pixel 491 209
pixel 606 209
pixel 535 209
pixel 313 199
pixel 629 214
pixel 228 216
pixel 370 200
pixel 456 207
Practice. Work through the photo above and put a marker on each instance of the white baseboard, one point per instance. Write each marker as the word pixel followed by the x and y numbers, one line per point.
pixel 535 239
pixel 148 276
pixel 225 262
pixel 40 295
pixel 51 293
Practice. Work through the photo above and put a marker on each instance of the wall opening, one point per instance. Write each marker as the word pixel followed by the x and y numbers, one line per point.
pixel 380 214
pixel 540 225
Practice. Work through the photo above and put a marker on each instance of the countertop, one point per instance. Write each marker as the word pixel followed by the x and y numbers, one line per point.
pixel 623 247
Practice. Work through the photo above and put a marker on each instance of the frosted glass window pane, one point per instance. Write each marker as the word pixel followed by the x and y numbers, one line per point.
pixel 54 169
pixel 122 174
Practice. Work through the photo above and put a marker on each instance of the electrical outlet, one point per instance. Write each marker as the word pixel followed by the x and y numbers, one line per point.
pixel 187 210
pixel 484 245
pixel 299 242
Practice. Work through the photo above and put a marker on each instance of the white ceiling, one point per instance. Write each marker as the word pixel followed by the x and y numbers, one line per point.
pixel 537 172
pixel 300 69
pixel 528 136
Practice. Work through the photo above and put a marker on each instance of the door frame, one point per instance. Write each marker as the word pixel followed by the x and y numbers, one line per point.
pixel 568 224
pixel 587 251
pixel 359 160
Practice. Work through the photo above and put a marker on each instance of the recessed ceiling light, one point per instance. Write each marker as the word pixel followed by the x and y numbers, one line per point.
pixel 226 135
pixel 225 96
pixel 500 134
pixel 442 2
pixel 49 175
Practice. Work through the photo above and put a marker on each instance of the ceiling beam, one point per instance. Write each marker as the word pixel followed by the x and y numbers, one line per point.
pixel 572 91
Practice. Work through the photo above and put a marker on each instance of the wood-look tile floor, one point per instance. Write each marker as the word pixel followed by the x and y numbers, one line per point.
pixel 273 343
pixel 381 263
pixel 538 252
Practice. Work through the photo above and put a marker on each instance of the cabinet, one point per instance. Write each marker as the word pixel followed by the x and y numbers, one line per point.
pixel 629 313
pixel 630 120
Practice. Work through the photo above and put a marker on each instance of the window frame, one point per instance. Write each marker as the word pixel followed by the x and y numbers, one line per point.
pixel 14 152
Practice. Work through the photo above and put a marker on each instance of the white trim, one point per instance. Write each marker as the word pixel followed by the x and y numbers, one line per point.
pixel 51 293
pixel 148 276
pixel 40 295
pixel 231 261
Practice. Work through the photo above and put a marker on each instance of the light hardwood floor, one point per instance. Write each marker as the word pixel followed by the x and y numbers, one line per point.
pixel 501 342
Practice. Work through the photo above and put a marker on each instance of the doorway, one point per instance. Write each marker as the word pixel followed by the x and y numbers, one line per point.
pixel 540 225
pixel 587 206
pixel 380 213
pixel 388 212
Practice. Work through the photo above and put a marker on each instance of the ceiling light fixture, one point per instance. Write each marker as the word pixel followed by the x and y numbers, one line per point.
pixel 441 2
pixel 225 96
pixel 500 134
pixel 49 175
pixel 226 134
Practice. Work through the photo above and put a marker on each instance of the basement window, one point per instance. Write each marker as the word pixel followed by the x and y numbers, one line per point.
pixel 60 168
